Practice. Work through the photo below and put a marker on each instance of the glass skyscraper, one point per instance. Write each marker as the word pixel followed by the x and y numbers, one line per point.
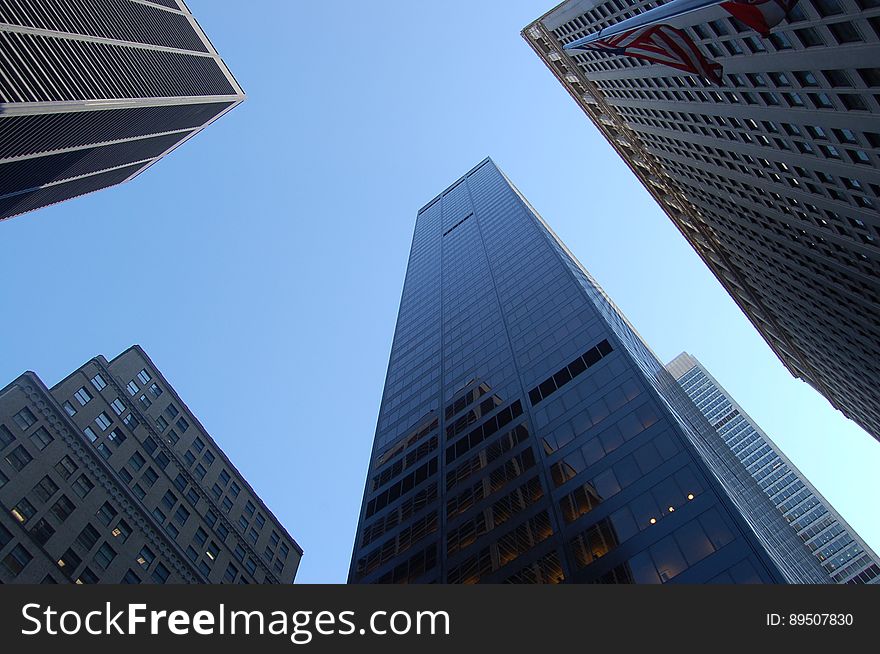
pixel 527 435
pixel 840 551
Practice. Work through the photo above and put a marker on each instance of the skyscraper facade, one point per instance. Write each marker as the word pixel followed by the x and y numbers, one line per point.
pixel 108 478
pixel 772 176
pixel 527 435
pixel 93 92
pixel 846 558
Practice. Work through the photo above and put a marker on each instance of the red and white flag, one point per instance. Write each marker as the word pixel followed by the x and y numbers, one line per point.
pixel 661 44
pixel 761 15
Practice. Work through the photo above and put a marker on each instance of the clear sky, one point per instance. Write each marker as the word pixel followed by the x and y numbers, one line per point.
pixel 261 264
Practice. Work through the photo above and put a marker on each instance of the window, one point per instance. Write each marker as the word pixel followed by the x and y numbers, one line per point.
pixel 261 521
pixel 19 458
pixel 69 562
pixel 230 574
pixel 249 509
pixel 161 424
pixel 155 391
pixel 118 406
pixel 102 421
pixel 6 438
pixel 103 450
pixel 82 486
pixel 227 505
pixel 251 566
pixel 809 37
pixel 98 382
pixel 224 477
pixel 198 445
pixel 104 556
pixel 117 437
pixel 42 532
pixel 239 553
pixel 130 578
pixel 143 376
pixel 45 489
pixel 136 461
pixel 83 396
pixel 16 560
pixel 222 531
pixel 150 445
pixel 106 513
pixel 122 531
pixel 130 421
pixel 845 32
pixel 162 460
pixel 146 557
pixel 65 467
pixel 200 471
pixel 145 402
pixel 193 496
pixel 90 434
pixel 182 425
pixel 200 537
pixel 23 511
pixel 172 437
pixel 24 418
pixel 234 490
pixel 209 457
pixel 213 551
pixel 211 518
pixel 62 508
pixel 132 388
pixel 160 574
pixel 88 538
pixel 169 500
pixel 150 477
pixel 171 411
pixel 68 407
pixel 853 102
pixel 181 515
pixel 3 479
pixel 41 438
pixel 180 482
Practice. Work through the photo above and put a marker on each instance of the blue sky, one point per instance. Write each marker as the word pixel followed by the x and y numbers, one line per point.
pixel 261 264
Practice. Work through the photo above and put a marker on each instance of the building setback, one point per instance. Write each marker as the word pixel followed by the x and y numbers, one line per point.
pixel 108 478
pixel 845 557
pixel 772 177
pixel 92 93
pixel 527 435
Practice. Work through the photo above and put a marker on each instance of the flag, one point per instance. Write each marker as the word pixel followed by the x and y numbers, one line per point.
pixel 761 15
pixel 660 44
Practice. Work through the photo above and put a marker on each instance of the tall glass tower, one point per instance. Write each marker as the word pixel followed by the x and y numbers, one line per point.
pixel 527 435
pixel 846 557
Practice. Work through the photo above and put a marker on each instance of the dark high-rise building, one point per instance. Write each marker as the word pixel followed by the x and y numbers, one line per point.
pixel 840 551
pixel 108 478
pixel 527 434
pixel 93 93
pixel 773 176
